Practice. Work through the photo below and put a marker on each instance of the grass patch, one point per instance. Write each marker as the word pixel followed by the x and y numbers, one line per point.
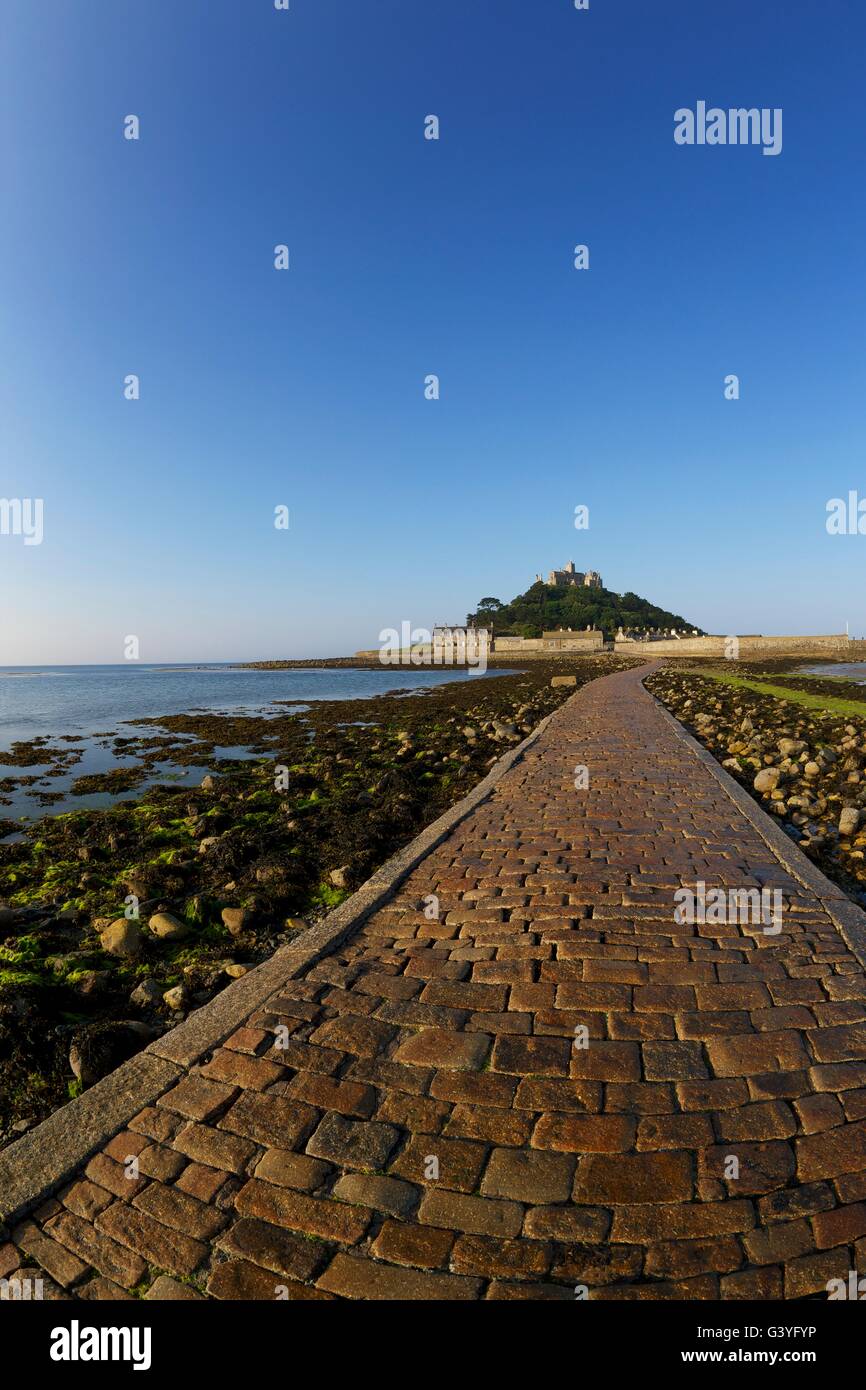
pixel 329 897
pixel 829 704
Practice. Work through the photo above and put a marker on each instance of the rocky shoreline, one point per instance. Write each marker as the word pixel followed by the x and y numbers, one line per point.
pixel 796 743
pixel 115 923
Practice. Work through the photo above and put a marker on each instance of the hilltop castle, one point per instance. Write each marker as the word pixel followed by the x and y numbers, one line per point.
pixel 558 579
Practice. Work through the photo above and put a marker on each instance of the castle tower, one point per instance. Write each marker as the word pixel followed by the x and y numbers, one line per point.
pixel 569 576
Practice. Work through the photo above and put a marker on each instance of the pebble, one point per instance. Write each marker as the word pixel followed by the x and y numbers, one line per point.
pixel 767 779
pixel 849 821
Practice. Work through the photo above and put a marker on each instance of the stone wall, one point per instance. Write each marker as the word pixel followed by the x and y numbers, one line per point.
pixel 517 644
pixel 752 645
pixel 832 643
pixel 572 641
pixel 835 644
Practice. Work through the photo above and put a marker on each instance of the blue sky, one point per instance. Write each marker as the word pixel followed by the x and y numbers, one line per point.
pixel 304 388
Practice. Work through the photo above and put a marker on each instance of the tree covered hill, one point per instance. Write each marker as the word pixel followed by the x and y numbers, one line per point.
pixel 544 608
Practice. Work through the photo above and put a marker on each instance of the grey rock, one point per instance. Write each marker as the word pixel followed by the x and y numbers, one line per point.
pixel 145 994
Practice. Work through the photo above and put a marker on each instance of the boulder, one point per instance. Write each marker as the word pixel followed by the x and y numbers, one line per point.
pixel 236 919
pixel 563 680
pixel 168 927
pixel 121 938
pixel 175 998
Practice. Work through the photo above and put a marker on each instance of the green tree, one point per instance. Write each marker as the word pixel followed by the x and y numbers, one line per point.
pixel 543 608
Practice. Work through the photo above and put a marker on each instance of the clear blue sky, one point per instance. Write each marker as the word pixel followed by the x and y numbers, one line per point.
pixel 410 257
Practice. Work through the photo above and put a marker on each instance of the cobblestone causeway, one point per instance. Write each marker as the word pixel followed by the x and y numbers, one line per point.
pixel 416 1117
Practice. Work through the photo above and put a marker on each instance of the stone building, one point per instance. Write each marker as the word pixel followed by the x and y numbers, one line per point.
pixel 570 577
pixel 458 644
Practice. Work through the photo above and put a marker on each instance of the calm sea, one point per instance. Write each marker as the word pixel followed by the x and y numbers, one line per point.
pixel 846 670
pixel 98 702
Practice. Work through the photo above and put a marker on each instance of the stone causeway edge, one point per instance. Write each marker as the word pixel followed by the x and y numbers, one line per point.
pixel 35 1165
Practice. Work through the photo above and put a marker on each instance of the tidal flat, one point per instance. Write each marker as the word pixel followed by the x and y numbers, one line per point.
pixel 117 920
